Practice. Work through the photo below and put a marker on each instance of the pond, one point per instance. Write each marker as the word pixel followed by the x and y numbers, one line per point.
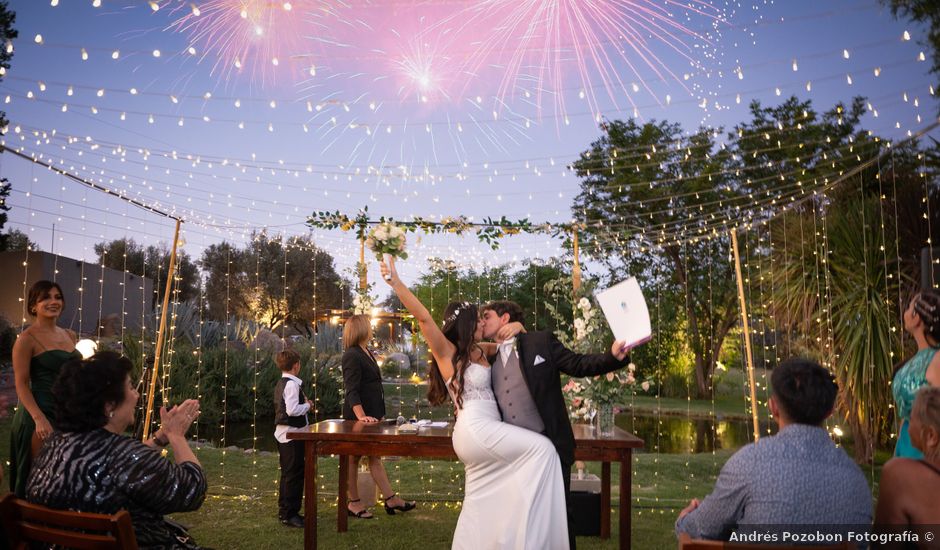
pixel 664 434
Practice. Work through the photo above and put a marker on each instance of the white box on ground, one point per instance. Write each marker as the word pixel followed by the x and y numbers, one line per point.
pixel 589 484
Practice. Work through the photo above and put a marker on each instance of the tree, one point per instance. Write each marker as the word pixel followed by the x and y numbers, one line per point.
pixel 151 262
pixel 4 208
pixel 273 281
pixel 522 284
pixel 643 188
pixel 17 240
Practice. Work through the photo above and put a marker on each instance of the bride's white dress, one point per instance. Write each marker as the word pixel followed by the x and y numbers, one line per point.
pixel 514 495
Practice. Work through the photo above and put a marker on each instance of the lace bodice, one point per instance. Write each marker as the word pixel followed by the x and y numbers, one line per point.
pixel 477 385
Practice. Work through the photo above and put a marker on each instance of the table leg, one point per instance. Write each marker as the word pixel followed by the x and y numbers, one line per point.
pixel 605 500
pixel 310 495
pixel 626 495
pixel 341 518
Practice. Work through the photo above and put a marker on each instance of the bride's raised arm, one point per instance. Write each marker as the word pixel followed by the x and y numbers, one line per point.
pixel 439 345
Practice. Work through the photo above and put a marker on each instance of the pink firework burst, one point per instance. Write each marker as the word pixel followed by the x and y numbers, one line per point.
pixel 264 39
pixel 542 46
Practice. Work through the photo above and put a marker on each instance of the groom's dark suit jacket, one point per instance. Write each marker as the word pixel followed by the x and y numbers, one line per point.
pixel 545 383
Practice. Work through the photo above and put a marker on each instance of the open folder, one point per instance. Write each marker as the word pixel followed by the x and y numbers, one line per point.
pixel 625 309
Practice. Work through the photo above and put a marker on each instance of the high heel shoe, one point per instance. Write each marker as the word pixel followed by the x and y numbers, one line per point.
pixel 361 514
pixel 390 510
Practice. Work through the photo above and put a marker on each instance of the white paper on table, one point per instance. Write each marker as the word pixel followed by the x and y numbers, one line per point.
pixel 438 424
pixel 626 312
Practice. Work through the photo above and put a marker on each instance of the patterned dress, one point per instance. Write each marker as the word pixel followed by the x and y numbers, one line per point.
pixel 910 378
pixel 102 472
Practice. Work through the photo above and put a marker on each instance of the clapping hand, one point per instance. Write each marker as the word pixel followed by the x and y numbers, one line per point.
pixel 178 419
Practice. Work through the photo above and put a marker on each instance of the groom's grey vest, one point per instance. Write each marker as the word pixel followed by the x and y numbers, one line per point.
pixel 513 396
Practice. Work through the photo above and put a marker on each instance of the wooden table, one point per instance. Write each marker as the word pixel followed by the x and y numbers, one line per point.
pixel 348 437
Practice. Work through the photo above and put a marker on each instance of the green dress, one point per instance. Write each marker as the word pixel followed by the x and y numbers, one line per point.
pixel 43 370
pixel 910 378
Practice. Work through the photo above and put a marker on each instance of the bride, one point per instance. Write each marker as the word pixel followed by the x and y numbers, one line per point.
pixel 514 496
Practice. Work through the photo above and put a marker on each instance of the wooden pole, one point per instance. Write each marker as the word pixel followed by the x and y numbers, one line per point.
pixel 747 334
pixel 576 269
pixel 161 332
pixel 363 271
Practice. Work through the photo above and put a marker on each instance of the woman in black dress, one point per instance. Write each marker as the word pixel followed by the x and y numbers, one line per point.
pixel 89 465
pixel 365 402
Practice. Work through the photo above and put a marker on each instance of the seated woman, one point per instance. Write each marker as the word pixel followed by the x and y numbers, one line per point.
pixel 907 495
pixel 89 465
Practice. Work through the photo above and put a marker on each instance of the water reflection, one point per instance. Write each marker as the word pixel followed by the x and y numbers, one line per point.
pixel 681 435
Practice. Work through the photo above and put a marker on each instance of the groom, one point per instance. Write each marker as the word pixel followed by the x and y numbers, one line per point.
pixel 527 385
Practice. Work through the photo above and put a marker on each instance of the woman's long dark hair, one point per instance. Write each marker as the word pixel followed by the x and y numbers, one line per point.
pixel 460 324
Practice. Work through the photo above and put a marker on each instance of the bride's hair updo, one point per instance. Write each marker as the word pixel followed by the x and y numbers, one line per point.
pixel 460 324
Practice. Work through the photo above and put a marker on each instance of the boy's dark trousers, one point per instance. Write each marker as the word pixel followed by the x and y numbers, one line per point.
pixel 292 478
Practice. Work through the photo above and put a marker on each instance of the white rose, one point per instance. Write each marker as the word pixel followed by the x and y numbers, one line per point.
pixel 397 231
pixel 645 386
pixel 583 303
pixel 380 233
pixel 579 324
pixel 631 367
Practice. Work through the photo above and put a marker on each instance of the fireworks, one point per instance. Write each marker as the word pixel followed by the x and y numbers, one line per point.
pixel 262 38
pixel 541 47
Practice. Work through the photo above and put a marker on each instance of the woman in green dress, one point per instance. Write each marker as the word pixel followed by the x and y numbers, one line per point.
pixel 922 321
pixel 38 355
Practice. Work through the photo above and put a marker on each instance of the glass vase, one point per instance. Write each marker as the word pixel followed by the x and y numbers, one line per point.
pixel 605 419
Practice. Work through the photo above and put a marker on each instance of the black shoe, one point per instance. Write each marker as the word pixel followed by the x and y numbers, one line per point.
pixel 361 514
pixel 293 521
pixel 390 510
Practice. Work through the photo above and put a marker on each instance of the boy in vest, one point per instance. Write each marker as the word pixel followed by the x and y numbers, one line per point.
pixel 290 415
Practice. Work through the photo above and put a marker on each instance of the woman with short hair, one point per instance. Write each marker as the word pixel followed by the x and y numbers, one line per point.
pixel 89 465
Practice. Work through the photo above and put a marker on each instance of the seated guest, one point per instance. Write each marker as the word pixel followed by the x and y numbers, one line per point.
pixel 797 477
pixel 907 495
pixel 89 465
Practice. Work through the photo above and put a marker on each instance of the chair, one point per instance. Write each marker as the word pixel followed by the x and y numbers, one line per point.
pixel 688 543
pixel 24 523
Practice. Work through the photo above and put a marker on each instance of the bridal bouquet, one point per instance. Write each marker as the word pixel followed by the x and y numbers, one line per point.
pixel 387 238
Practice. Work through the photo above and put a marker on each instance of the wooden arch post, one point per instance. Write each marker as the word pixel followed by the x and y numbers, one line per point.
pixel 747 333
pixel 576 268
pixel 363 270
pixel 161 332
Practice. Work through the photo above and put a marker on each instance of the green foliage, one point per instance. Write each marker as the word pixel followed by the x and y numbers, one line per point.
pixel 522 284
pixel 151 262
pixel 275 282
pixel 839 298
pixel 15 239
pixel 238 384
pixel 391 368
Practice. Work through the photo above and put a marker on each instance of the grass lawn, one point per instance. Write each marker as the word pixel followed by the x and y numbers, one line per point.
pixel 240 510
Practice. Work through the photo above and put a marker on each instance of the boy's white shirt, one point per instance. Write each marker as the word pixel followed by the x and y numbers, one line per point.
pixel 291 392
